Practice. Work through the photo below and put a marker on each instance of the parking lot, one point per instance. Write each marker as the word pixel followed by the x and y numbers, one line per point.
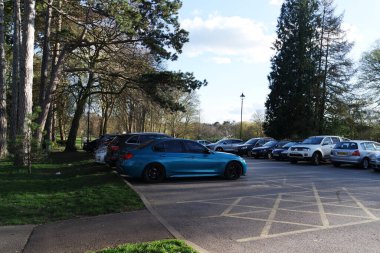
pixel 276 207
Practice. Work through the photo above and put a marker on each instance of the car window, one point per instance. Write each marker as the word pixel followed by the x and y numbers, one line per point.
pixel 148 137
pixel 335 139
pixel 313 140
pixel 133 139
pixel 327 140
pixel 251 141
pixel 236 141
pixel 369 146
pixel 160 147
pixel 377 146
pixel 347 145
pixel 173 146
pixel 193 147
pixel 270 143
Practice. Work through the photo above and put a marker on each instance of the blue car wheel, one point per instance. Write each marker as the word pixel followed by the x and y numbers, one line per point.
pixel 154 173
pixel 233 171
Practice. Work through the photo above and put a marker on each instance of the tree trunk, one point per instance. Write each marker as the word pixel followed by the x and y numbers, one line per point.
pixel 48 128
pixel 25 99
pixel 3 96
pixel 16 49
pixel 71 139
pixel 45 53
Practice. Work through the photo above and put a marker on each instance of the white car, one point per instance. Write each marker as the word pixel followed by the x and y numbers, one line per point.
pixel 100 154
pixel 314 149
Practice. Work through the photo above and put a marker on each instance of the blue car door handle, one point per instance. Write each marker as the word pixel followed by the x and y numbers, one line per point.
pixel 163 155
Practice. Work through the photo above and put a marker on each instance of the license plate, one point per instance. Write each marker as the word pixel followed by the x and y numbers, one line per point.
pixel 342 153
pixel 276 154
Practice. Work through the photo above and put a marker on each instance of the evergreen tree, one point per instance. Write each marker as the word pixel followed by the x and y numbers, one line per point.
pixel 311 71
pixel 335 69
pixel 289 106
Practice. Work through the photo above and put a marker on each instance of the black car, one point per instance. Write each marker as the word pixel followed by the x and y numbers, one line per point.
pixel 95 144
pixel 266 150
pixel 242 149
pixel 280 153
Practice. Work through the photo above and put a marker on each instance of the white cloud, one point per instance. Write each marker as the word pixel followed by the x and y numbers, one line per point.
pixel 221 60
pixel 352 31
pixel 228 39
pixel 276 2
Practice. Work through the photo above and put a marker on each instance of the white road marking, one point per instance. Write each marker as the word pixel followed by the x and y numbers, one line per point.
pixel 271 217
pixel 324 219
pixel 365 209
pixel 229 208
pixel 302 231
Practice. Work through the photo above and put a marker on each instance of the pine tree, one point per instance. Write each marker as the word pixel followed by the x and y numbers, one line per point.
pixel 289 106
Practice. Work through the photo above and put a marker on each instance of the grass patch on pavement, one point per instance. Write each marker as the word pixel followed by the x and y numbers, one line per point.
pixel 69 185
pixel 164 246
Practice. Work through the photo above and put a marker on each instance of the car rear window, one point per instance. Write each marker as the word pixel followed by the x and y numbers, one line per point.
pixel 346 145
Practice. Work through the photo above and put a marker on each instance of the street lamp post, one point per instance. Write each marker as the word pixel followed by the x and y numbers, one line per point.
pixel 241 114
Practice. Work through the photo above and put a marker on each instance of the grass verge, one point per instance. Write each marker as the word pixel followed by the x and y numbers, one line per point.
pixel 69 185
pixel 164 246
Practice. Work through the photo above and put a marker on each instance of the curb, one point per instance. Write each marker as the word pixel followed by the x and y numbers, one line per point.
pixel 170 228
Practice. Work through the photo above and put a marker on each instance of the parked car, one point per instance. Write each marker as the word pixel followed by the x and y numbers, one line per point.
pixel 224 145
pixel 165 158
pixel 314 149
pixel 203 142
pixel 132 141
pixel 100 154
pixel 375 161
pixel 355 152
pixel 281 153
pixel 242 149
pixel 95 144
pixel 113 148
pixel 266 150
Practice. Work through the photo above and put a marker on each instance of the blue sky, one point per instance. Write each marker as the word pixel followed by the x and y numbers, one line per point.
pixel 230 47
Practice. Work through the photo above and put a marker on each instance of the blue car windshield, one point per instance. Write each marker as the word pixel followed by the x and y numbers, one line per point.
pixel 289 144
pixel 251 141
pixel 270 144
pixel 313 140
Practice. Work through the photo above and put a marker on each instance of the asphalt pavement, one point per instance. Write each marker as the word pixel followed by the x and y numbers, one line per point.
pixel 83 234
pixel 276 207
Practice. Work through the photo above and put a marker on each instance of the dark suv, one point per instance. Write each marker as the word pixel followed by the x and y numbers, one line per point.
pixel 243 149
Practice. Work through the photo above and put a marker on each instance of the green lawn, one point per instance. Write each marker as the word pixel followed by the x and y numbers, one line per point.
pixel 70 185
pixel 164 246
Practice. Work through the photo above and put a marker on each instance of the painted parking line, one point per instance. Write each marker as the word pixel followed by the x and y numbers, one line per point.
pixel 300 203
pixel 324 219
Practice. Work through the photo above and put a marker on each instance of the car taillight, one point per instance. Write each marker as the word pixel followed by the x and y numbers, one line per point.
pixel 127 156
pixel 114 148
pixel 356 153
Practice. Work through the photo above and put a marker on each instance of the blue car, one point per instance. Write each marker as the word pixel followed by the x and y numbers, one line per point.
pixel 166 158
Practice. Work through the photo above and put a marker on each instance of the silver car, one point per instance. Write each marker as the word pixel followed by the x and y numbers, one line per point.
pixel 353 152
pixel 224 145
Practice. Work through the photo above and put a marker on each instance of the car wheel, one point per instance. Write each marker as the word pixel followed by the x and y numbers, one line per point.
pixel 316 158
pixel 336 164
pixel 233 171
pixel 293 161
pixel 154 173
pixel 269 156
pixel 219 149
pixel 365 163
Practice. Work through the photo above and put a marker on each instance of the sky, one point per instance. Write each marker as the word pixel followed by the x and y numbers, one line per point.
pixel 230 47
